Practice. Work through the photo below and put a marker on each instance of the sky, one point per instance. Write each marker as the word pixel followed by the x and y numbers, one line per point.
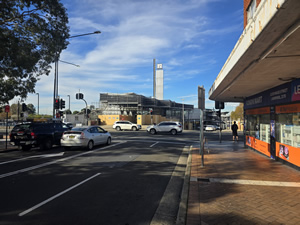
pixel 191 38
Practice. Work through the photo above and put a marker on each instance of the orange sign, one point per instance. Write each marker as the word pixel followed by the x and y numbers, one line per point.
pixel 293 108
pixel 258 145
pixel 265 110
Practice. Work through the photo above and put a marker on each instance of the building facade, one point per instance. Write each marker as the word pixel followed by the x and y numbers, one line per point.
pixel 131 104
pixel 263 72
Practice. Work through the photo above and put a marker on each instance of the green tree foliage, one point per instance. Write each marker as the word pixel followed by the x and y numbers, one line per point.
pixel 238 113
pixel 75 112
pixel 68 111
pixel 32 35
pixel 14 109
pixel 31 108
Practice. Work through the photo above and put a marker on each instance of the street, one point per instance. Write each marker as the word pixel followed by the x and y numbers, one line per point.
pixel 123 183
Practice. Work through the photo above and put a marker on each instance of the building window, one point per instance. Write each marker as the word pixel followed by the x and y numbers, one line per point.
pixel 288 129
pixel 258 126
pixel 251 10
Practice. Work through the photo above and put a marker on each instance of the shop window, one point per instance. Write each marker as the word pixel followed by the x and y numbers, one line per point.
pixel 288 129
pixel 258 126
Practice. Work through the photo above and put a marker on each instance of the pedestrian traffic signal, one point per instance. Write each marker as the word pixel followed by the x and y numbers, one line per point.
pixel 24 107
pixel 62 104
pixel 56 103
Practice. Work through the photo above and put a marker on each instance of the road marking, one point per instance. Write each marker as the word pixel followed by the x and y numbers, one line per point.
pixel 154 144
pixel 248 182
pixel 56 196
pixel 35 156
pixel 53 162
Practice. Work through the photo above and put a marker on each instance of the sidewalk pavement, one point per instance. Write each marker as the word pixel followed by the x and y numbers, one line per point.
pixel 237 185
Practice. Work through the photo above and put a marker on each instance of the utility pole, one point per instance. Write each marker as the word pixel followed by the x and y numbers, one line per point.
pixel 154 79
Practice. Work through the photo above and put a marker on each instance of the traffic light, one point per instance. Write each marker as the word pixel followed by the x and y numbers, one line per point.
pixel 219 105
pixel 62 104
pixel 79 96
pixel 61 114
pixel 56 103
pixel 24 107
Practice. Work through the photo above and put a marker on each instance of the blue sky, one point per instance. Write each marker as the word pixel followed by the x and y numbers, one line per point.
pixel 191 38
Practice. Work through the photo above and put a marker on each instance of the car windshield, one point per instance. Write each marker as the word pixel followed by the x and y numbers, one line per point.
pixel 22 126
pixel 78 129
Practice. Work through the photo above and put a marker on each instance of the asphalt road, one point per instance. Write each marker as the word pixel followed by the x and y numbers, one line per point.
pixel 125 183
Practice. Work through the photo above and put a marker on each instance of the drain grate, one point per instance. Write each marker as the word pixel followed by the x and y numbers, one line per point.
pixel 203 179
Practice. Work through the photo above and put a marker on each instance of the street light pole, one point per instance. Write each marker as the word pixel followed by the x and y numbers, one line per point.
pixel 55 94
pixel 182 114
pixel 69 102
pixel 38 112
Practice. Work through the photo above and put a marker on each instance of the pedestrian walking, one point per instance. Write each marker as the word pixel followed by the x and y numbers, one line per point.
pixel 234 129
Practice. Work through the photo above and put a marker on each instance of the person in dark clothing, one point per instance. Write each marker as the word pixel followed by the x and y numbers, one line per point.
pixel 234 129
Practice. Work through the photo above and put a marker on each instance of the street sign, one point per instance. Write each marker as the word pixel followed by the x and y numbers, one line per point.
pixel 7 108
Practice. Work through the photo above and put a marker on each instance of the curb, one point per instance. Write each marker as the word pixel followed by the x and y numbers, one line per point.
pixel 167 211
pixel 182 211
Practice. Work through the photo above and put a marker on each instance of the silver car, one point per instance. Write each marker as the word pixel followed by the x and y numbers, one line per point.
pixel 165 127
pixel 85 136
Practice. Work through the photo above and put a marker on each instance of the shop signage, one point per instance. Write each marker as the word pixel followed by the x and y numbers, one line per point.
pixel 296 90
pixel 274 96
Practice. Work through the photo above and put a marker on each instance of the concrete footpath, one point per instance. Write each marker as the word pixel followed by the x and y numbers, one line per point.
pixel 240 186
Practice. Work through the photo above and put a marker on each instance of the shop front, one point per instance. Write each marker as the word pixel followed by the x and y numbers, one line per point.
pixel 273 122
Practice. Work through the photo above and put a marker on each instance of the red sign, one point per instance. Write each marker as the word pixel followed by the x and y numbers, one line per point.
pixel 7 108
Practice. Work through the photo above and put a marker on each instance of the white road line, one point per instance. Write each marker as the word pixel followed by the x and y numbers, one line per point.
pixel 154 144
pixel 35 156
pixel 53 162
pixel 56 196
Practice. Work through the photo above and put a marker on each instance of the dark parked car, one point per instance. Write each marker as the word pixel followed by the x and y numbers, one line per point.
pixel 42 135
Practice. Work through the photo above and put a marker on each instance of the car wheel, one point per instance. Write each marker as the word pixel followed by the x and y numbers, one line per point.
pixel 152 131
pixel 25 147
pixel 47 144
pixel 108 141
pixel 134 128
pixel 90 145
pixel 173 131
pixel 118 128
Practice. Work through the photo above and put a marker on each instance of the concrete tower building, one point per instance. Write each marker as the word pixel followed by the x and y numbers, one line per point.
pixel 159 82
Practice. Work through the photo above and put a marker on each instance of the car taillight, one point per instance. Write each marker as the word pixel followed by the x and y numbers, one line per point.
pixel 179 126
pixel 33 136
pixel 82 135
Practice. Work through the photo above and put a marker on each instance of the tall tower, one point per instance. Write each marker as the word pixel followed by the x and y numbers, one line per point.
pixel 159 86
pixel 154 79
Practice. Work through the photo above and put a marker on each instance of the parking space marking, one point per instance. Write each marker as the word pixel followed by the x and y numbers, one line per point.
pixel 56 196
pixel 55 161
pixel 154 144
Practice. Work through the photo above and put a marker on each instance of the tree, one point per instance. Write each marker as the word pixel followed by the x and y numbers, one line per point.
pixel 31 108
pixel 68 111
pixel 33 33
pixel 75 112
pixel 238 113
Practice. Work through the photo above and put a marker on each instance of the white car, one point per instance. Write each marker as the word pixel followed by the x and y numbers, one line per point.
pixel 211 128
pixel 165 127
pixel 85 136
pixel 126 125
